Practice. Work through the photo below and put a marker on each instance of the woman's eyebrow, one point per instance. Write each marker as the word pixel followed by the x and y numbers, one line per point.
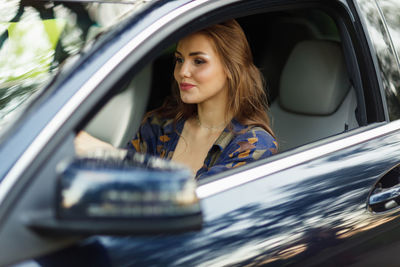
pixel 197 53
pixel 192 53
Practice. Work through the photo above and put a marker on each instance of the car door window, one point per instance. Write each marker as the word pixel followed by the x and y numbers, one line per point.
pixel 385 50
pixel 311 90
pixel 36 39
pixel 390 11
pixel 298 58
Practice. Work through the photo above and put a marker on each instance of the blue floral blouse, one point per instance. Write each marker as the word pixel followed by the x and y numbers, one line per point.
pixel 233 148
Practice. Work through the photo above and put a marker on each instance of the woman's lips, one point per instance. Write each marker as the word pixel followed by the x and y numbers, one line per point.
pixel 186 86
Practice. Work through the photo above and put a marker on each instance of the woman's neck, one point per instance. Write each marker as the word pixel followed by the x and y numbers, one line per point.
pixel 212 117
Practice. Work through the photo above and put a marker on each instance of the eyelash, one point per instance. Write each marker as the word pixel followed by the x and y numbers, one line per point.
pixel 178 59
pixel 199 61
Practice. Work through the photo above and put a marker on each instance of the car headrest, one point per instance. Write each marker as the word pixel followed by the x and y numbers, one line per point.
pixel 314 80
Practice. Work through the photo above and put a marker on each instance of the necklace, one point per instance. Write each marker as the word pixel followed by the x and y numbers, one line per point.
pixel 218 127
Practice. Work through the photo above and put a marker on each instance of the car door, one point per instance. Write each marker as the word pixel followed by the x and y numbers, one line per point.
pixel 314 205
pixel 307 206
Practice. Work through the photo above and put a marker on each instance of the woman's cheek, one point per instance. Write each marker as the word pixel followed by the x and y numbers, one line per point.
pixel 176 76
pixel 204 74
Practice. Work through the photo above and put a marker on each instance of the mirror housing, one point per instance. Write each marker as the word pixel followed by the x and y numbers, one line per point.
pixel 111 196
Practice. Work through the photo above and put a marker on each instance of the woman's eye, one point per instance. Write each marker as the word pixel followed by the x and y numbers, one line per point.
pixel 199 61
pixel 179 60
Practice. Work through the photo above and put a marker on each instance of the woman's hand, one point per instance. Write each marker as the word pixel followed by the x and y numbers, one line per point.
pixel 85 143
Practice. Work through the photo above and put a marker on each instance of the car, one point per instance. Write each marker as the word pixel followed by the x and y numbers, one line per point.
pixel 330 196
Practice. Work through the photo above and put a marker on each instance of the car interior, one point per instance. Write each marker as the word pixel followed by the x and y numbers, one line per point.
pixel 300 54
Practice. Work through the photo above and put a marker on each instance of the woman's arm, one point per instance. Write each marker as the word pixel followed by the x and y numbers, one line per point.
pixel 85 143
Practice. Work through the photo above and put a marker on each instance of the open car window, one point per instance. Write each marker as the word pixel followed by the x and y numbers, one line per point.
pixel 312 92
pixel 302 58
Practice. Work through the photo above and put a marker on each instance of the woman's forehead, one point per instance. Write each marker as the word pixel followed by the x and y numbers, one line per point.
pixel 196 42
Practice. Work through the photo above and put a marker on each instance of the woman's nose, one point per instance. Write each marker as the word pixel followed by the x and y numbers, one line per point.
pixel 185 70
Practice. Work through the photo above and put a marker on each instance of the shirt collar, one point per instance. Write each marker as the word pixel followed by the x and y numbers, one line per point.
pixel 228 134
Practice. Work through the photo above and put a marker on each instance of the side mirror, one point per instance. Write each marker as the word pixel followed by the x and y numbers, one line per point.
pixel 110 196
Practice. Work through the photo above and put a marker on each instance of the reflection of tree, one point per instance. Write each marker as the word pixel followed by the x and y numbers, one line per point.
pixel 383 44
pixel 83 22
pixel 41 38
pixel 391 11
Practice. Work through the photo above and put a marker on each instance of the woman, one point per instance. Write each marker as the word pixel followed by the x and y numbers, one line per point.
pixel 217 118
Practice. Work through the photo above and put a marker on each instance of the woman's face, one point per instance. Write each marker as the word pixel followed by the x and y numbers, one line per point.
pixel 199 71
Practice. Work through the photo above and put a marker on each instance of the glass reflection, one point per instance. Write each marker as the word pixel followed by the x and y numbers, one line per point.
pixel 391 12
pixel 389 69
pixel 36 37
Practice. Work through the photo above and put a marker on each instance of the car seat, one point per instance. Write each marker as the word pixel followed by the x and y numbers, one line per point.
pixel 118 120
pixel 316 98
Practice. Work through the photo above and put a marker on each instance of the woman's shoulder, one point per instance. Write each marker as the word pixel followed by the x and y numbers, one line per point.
pixel 255 135
pixel 250 143
pixel 261 134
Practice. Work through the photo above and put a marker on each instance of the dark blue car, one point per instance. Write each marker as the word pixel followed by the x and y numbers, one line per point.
pixel 330 196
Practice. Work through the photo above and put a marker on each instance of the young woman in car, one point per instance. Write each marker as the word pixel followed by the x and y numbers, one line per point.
pixel 217 117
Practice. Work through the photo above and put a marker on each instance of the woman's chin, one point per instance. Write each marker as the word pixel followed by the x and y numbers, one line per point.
pixel 189 100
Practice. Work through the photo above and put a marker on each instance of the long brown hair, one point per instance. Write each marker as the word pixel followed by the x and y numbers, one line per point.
pixel 245 82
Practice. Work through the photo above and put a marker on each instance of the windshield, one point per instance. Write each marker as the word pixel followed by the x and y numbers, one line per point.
pixel 36 37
